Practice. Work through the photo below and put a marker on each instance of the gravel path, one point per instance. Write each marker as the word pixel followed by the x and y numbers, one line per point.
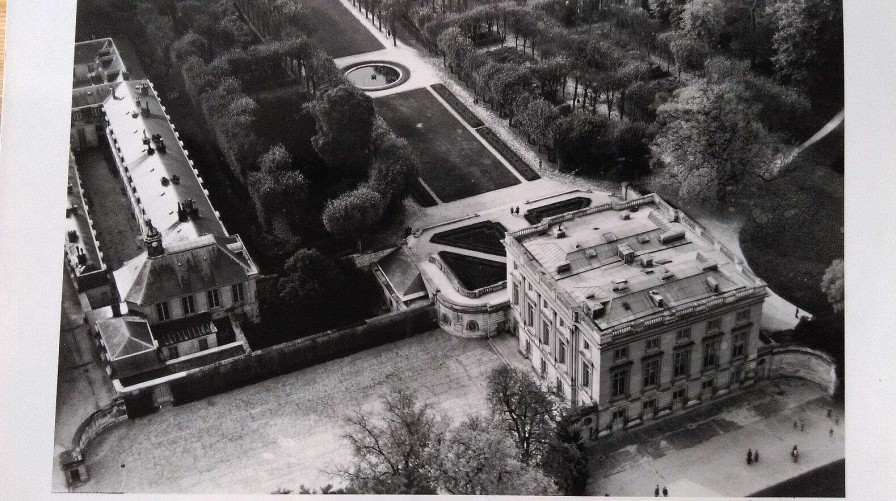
pixel 285 431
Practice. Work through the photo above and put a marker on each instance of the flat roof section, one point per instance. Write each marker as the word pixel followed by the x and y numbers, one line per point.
pixel 162 180
pixel 79 240
pixel 633 261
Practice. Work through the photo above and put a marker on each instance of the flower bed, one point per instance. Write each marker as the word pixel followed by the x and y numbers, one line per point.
pixel 456 104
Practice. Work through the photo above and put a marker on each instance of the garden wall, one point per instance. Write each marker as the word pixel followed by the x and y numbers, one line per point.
pixel 801 362
pixel 292 356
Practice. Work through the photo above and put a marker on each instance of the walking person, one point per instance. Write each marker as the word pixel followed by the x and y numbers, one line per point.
pixel 795 453
pixel 749 456
pixel 756 456
pixel 656 492
pixel 665 492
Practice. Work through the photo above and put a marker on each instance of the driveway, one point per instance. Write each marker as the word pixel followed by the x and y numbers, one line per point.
pixel 285 432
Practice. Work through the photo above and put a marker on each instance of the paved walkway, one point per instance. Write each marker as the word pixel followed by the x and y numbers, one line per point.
pixel 82 385
pixel 285 431
pixel 704 452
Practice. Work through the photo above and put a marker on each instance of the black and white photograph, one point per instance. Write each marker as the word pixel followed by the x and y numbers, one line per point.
pixel 456 247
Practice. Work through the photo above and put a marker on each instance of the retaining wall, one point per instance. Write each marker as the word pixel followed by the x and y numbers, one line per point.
pixel 801 362
pixel 292 356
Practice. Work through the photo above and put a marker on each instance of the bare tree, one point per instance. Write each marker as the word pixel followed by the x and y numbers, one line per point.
pixel 528 412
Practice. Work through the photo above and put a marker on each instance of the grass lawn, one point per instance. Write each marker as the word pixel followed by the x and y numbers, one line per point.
pixel 795 228
pixel 336 30
pixel 453 162
pixel 484 236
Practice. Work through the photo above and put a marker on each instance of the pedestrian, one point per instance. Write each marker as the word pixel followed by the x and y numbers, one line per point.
pixel 830 411
pixel 797 314
pixel 794 425
pixel 665 492
pixel 517 211
pixel 749 456
pixel 539 163
pixel 802 425
pixel 795 453
pixel 756 456
pixel 511 211
pixel 831 432
pixel 656 492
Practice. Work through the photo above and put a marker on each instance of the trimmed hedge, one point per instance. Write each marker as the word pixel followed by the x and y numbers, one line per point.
pixel 455 103
pixel 421 195
pixel 518 163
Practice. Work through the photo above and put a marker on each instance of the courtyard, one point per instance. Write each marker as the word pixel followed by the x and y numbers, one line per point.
pixel 285 432
pixel 704 452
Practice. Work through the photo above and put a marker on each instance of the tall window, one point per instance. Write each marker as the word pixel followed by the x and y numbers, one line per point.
pixel 585 344
pixel 711 353
pixel 544 368
pixel 742 316
pixel 681 363
pixel 162 311
pixel 559 387
pixel 651 373
pixel 683 334
pixel 545 332
pixel 738 344
pixel 652 344
pixel 516 294
pixel 586 375
pixel 236 292
pixel 214 299
pixel 619 383
pixel 172 352
pixel 188 304
pixel 561 352
pixel 714 324
pixel 530 314
pixel 680 394
pixel 203 344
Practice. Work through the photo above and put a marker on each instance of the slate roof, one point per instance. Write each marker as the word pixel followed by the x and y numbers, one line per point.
pixel 402 273
pixel 125 336
pixel 204 263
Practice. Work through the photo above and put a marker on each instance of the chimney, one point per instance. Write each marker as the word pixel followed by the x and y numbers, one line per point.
pixel 657 299
pixel 116 306
pixel 72 236
pixel 82 258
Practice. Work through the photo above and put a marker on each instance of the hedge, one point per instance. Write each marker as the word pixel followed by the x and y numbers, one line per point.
pixel 455 103
pixel 518 163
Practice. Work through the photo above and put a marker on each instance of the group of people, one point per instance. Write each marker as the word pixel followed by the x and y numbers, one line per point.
pixel 514 211
pixel 752 457
pixel 656 492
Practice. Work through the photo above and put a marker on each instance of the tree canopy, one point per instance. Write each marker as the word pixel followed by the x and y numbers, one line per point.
pixel 344 118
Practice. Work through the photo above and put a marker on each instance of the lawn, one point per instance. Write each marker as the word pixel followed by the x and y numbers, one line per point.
pixel 473 272
pixel 796 226
pixel 484 236
pixel 454 164
pixel 336 30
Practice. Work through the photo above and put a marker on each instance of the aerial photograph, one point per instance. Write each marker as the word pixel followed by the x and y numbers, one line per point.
pixel 521 247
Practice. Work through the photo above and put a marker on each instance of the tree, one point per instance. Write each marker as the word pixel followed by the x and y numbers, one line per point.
pixel 524 409
pixel 565 460
pixel 398 453
pixel 583 141
pixel 189 45
pixel 456 48
pixel 276 159
pixel 832 283
pixel 353 213
pixel 536 120
pixel 477 457
pixel 808 40
pixel 310 283
pixel 395 165
pixel 344 120
pixel 704 20
pixel 689 54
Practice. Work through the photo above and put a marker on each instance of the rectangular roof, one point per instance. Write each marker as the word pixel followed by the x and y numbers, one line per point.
pixel 77 221
pixel 593 242
pixel 145 171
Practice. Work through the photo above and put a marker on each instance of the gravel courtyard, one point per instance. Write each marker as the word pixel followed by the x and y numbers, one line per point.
pixel 285 431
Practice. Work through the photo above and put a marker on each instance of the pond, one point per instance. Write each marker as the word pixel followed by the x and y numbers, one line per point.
pixel 375 76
